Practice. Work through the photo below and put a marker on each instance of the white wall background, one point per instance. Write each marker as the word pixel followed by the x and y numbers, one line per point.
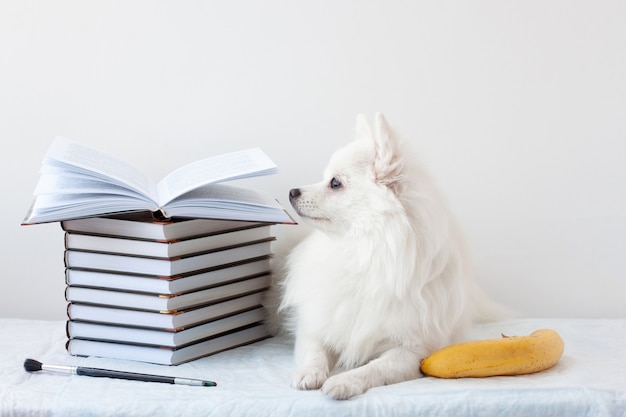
pixel 519 108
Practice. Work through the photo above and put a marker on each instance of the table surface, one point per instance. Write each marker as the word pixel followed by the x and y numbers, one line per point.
pixel 590 380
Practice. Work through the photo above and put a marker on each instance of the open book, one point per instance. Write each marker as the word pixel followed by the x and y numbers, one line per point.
pixel 77 181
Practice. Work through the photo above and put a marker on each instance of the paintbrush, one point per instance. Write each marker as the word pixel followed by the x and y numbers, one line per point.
pixel 32 365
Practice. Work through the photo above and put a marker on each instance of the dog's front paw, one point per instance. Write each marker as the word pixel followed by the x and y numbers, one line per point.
pixel 343 387
pixel 308 378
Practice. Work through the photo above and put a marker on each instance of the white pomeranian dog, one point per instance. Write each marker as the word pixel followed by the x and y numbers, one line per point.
pixel 383 280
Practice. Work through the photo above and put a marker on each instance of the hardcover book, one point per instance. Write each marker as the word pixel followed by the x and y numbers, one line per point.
pixel 171 339
pixel 165 249
pixel 165 302
pixel 166 320
pixel 165 266
pixel 143 225
pixel 155 284
pixel 169 356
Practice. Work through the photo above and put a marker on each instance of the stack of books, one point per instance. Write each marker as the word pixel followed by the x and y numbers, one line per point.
pixel 164 292
pixel 159 272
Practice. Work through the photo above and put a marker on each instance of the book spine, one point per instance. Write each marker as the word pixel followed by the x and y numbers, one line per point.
pixel 159 215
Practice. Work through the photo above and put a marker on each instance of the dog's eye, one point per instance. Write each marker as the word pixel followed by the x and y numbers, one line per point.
pixel 335 183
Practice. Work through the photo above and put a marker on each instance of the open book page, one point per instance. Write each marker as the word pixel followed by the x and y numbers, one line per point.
pixel 78 159
pixel 230 166
pixel 55 180
pixel 57 207
pixel 225 194
pixel 224 201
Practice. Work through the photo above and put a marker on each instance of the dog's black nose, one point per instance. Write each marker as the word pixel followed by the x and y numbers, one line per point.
pixel 294 193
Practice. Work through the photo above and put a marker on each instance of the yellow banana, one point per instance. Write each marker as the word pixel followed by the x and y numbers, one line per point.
pixel 516 355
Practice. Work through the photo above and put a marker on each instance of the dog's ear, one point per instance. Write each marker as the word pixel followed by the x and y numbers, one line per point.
pixel 362 129
pixel 387 158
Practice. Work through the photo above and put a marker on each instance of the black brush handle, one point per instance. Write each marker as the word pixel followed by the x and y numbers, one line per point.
pixel 107 373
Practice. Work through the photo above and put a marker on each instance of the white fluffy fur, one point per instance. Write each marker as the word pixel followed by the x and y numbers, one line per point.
pixel 383 280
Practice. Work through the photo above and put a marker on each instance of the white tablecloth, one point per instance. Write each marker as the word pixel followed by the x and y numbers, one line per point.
pixel 590 380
